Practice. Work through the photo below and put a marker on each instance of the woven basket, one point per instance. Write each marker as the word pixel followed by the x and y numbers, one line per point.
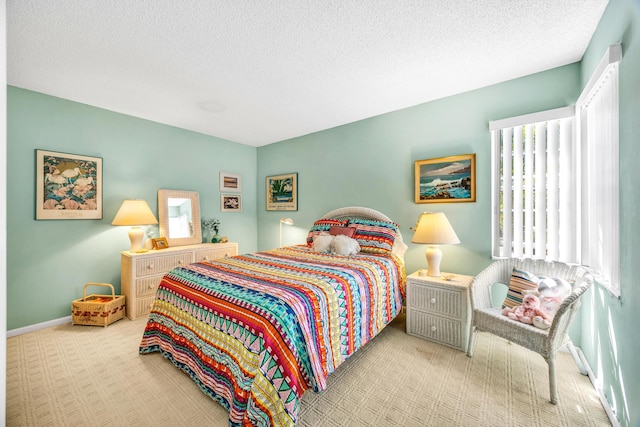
pixel 97 309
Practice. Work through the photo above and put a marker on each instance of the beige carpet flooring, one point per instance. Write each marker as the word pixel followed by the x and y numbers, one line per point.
pixel 92 376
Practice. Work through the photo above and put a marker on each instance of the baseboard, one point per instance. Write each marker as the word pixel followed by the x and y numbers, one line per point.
pixel 38 326
pixel 605 403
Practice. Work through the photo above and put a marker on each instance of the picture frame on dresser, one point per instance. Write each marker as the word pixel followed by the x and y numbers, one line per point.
pixel 68 186
pixel 160 243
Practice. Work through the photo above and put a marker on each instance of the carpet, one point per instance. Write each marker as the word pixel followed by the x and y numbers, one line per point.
pixel 92 376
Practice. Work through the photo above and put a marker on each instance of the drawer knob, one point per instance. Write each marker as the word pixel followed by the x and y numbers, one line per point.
pixel 433 300
pixel 433 328
pixel 204 258
pixel 180 262
pixel 150 286
pixel 150 266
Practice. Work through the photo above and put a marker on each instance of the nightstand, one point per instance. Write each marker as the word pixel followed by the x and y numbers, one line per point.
pixel 438 309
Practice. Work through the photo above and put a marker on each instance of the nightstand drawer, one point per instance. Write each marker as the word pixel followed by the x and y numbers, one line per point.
pixel 435 328
pixel 437 300
pixel 147 266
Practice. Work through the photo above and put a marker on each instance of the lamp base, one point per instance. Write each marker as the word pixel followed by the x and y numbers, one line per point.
pixel 434 256
pixel 135 236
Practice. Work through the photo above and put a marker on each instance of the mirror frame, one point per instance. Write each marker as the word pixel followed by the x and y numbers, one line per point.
pixel 163 214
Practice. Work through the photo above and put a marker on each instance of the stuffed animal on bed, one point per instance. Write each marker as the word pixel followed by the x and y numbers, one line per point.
pixel 529 312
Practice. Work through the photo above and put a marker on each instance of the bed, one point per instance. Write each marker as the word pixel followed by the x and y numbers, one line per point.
pixel 255 331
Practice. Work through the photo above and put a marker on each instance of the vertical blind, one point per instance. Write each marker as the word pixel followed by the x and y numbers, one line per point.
pixel 534 194
pixel 598 112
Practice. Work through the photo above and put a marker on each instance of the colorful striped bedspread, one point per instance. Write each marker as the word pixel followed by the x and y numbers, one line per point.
pixel 255 331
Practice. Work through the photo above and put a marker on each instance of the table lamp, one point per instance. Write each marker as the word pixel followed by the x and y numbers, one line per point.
pixel 434 229
pixel 287 221
pixel 135 213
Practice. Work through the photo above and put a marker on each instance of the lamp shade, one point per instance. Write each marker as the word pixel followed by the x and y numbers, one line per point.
pixel 134 212
pixel 433 228
pixel 287 221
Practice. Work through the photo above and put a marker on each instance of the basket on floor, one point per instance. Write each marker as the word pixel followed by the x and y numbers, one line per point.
pixel 97 309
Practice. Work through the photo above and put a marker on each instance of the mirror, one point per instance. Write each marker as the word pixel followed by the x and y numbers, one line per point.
pixel 179 214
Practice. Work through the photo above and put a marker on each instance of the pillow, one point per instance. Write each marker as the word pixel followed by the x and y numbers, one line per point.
pixel 323 225
pixel 322 242
pixel 552 292
pixel 347 231
pixel 374 236
pixel 343 245
pixel 520 281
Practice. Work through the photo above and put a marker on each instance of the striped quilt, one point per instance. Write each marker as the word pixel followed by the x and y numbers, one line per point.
pixel 255 331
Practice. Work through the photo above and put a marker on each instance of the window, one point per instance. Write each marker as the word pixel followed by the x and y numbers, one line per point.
pixel 555 180
pixel 597 112
pixel 534 194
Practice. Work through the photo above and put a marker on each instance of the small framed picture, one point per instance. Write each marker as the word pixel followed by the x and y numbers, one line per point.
pixel 282 192
pixel 160 243
pixel 230 182
pixel 231 202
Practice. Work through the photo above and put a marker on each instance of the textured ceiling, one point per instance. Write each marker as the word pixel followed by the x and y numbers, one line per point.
pixel 258 72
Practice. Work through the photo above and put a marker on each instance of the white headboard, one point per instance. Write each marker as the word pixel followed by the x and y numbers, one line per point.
pixel 399 247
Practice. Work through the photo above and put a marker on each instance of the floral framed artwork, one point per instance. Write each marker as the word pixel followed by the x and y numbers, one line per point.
pixel 282 192
pixel 68 186
pixel 230 183
pixel 445 179
pixel 231 202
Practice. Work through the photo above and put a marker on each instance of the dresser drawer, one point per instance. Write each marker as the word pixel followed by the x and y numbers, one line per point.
pixel 147 286
pixel 435 328
pixel 155 265
pixel 210 255
pixel 143 306
pixel 447 302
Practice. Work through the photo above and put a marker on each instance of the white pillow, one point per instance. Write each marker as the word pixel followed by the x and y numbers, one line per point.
pixel 322 242
pixel 343 245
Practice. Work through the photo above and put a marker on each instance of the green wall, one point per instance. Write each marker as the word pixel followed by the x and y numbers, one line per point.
pixel 610 339
pixel 370 163
pixel 48 262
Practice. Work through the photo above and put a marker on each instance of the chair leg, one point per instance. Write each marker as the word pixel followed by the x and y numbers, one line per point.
pixel 472 336
pixel 553 387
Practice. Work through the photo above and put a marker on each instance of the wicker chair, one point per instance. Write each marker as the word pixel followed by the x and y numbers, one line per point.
pixel 544 342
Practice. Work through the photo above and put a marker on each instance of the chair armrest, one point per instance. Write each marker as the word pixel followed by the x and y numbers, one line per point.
pixel 570 305
pixel 480 288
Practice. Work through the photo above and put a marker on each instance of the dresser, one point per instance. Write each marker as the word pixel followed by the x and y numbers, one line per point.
pixel 438 309
pixel 141 272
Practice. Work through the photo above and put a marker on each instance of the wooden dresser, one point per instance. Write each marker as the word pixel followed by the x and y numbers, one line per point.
pixel 141 272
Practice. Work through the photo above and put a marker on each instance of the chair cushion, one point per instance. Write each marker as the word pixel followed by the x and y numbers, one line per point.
pixel 520 281
pixel 491 320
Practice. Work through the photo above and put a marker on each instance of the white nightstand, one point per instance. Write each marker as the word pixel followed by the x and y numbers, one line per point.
pixel 438 309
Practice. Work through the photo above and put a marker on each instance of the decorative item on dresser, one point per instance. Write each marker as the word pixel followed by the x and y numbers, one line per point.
pixel 141 272
pixel 438 308
pixel 135 213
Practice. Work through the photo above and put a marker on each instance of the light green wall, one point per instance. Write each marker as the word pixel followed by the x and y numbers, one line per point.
pixel 610 337
pixel 370 163
pixel 48 262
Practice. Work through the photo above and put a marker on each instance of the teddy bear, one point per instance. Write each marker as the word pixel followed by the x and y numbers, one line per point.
pixel 529 312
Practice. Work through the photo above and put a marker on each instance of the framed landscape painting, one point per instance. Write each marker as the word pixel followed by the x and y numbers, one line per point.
pixel 282 192
pixel 446 179
pixel 68 186
pixel 230 182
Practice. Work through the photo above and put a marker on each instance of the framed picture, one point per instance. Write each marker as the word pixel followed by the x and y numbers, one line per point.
pixel 446 179
pixel 282 192
pixel 230 182
pixel 68 186
pixel 231 202
pixel 160 243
